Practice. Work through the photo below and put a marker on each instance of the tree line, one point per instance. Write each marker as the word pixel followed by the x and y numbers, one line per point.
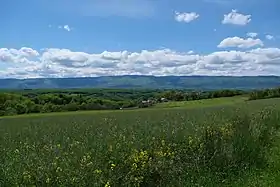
pixel 174 95
pixel 265 94
pixel 34 101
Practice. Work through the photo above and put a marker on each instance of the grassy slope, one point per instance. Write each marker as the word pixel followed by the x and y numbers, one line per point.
pixel 167 105
pixel 203 102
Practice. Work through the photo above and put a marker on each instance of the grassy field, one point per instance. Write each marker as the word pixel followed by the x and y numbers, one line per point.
pixel 179 104
pixel 203 102
pixel 233 143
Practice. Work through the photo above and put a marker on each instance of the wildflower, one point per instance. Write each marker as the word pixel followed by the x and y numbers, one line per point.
pixel 26 176
pixel 88 156
pixel 190 140
pixel 74 179
pixel 97 171
pixel 159 153
pixel 134 166
pixel 89 164
pixel 54 164
pixel 138 179
pixel 162 142
pixel 58 169
pixel 113 166
pixel 107 184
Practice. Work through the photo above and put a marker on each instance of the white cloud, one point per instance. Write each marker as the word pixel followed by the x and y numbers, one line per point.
pixel 65 27
pixel 240 42
pixel 186 17
pixel 27 62
pixel 252 34
pixel 22 55
pixel 269 37
pixel 236 18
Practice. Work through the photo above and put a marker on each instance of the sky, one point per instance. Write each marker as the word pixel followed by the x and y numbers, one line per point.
pixel 86 38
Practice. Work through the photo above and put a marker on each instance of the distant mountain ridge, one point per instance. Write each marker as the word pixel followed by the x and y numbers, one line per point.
pixel 148 82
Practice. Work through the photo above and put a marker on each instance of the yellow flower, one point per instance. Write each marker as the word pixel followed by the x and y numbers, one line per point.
pixel 113 166
pixel 107 184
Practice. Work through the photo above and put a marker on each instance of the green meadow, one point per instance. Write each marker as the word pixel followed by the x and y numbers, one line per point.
pixel 214 142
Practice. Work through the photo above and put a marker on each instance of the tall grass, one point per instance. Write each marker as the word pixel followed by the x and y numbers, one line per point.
pixel 176 147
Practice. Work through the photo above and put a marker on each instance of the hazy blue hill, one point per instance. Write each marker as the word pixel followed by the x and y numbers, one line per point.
pixel 135 81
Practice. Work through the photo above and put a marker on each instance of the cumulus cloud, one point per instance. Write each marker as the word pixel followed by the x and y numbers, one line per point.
pixel 240 42
pixel 22 55
pixel 252 34
pixel 236 18
pixel 55 62
pixel 269 37
pixel 186 16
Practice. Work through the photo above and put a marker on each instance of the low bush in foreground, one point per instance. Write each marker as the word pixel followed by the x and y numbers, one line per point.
pixel 164 149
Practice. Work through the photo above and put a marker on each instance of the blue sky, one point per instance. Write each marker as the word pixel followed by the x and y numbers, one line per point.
pixel 70 37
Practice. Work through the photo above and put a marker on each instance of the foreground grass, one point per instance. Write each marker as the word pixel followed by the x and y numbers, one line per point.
pixel 203 102
pixel 270 176
pixel 224 145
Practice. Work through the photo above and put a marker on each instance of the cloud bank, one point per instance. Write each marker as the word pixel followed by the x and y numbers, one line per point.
pixel 53 62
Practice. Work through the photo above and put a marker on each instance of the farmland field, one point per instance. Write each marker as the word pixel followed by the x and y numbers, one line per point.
pixel 218 145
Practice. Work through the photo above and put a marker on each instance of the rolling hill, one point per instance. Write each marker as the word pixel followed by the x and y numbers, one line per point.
pixel 139 81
